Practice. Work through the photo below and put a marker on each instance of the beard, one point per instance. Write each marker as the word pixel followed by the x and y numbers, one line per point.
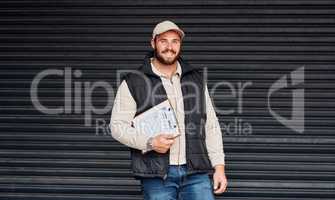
pixel 158 55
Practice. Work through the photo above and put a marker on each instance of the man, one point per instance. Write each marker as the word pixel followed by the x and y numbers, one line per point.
pixel 171 167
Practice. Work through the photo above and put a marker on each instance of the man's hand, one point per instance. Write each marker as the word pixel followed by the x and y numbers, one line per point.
pixel 220 180
pixel 162 142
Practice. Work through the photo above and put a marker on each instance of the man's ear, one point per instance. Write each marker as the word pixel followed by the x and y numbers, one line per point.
pixel 153 43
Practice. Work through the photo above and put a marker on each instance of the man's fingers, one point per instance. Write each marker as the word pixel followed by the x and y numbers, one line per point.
pixel 216 184
pixel 167 141
pixel 170 136
pixel 161 150
pixel 222 187
pixel 219 183
pixel 165 144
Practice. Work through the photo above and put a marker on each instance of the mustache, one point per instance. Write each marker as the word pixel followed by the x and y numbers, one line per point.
pixel 165 51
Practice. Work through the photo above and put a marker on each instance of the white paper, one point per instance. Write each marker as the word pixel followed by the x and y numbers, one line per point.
pixel 158 119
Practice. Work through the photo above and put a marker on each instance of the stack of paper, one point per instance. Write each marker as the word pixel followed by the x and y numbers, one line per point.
pixel 157 120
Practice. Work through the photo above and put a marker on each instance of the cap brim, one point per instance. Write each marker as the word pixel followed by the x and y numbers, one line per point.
pixel 178 31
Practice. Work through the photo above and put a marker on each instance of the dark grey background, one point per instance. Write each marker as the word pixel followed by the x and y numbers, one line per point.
pixel 58 157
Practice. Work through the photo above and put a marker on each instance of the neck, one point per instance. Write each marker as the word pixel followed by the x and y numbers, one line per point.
pixel 167 70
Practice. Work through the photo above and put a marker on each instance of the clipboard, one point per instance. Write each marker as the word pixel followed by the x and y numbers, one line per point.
pixel 158 119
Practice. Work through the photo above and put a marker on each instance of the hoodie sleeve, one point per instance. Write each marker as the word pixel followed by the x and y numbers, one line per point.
pixel 123 112
pixel 214 141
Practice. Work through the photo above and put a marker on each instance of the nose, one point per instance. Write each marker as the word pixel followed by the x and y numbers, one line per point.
pixel 169 46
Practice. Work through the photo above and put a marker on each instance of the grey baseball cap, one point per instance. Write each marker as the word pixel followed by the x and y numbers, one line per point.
pixel 165 26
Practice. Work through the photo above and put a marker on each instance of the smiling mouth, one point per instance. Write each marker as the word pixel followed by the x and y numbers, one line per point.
pixel 169 52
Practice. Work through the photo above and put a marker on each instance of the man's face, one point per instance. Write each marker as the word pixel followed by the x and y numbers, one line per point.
pixel 167 47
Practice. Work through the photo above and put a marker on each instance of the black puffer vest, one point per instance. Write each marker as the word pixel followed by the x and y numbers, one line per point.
pixel 147 90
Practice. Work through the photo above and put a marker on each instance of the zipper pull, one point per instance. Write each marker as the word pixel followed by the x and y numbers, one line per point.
pixel 165 176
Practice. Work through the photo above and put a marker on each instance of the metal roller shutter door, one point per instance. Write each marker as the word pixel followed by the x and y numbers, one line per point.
pixel 55 156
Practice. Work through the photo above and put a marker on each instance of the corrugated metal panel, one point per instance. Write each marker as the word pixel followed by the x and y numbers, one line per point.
pixel 58 157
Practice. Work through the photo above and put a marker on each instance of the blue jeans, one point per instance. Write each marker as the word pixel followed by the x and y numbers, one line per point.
pixel 178 186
